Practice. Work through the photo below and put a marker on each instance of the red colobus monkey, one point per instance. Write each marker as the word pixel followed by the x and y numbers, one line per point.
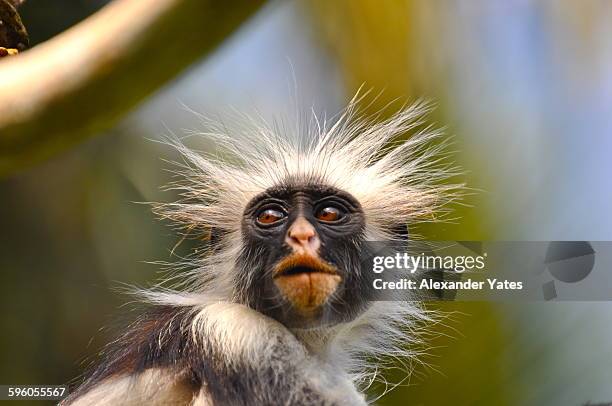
pixel 277 311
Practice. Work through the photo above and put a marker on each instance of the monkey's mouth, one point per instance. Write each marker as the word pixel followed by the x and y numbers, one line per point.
pixel 296 270
pixel 306 281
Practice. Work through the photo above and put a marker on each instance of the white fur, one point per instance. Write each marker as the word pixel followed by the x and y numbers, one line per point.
pixel 155 387
pixel 244 335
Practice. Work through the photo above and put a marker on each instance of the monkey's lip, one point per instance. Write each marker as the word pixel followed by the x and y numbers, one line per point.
pixel 306 281
pixel 295 270
pixel 303 264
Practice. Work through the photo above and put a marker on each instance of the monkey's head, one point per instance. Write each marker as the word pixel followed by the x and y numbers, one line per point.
pixel 291 214
pixel 302 243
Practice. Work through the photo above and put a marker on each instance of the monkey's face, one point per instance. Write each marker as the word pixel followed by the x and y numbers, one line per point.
pixel 301 256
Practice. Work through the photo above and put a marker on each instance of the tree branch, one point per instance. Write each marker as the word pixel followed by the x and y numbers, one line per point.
pixel 85 79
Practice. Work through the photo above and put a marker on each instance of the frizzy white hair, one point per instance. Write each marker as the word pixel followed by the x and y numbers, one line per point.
pixel 397 180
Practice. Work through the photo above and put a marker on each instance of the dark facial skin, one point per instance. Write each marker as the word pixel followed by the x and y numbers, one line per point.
pixel 337 222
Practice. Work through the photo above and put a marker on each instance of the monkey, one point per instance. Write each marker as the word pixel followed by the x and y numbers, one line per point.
pixel 278 310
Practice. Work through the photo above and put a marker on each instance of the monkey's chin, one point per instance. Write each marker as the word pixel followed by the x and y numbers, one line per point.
pixel 307 291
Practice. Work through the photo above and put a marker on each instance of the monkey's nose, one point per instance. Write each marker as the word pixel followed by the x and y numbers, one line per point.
pixel 302 237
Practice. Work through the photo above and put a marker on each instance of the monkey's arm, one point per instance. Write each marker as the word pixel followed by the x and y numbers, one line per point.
pixel 155 386
pixel 142 366
pixel 223 353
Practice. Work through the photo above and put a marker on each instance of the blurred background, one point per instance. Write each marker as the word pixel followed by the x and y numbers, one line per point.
pixel 525 87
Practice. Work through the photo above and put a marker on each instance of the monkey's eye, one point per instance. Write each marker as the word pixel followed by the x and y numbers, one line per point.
pixel 329 214
pixel 270 216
